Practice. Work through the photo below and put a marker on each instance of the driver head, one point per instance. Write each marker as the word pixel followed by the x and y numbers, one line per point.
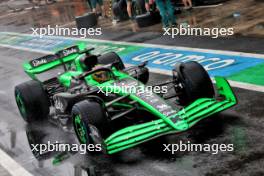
pixel 101 76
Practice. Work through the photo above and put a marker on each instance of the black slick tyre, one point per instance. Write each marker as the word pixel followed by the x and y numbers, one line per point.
pixel 32 101
pixel 148 19
pixel 110 58
pixel 196 82
pixel 86 21
pixel 90 122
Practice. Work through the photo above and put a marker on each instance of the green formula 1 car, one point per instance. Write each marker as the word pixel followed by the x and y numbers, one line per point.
pixel 109 104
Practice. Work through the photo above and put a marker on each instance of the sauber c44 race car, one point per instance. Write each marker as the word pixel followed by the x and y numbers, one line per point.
pixel 89 96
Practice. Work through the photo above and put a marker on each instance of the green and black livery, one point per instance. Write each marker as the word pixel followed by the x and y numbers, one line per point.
pixel 118 119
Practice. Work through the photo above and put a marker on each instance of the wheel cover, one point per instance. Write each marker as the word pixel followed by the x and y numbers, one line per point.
pixel 80 129
pixel 21 105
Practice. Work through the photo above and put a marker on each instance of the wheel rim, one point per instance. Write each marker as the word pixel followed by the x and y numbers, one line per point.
pixel 80 129
pixel 21 105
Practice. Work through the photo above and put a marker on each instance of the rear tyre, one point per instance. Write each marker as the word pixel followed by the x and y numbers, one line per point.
pixel 144 20
pixel 110 58
pixel 148 19
pixel 86 21
pixel 32 101
pixel 195 81
pixel 90 122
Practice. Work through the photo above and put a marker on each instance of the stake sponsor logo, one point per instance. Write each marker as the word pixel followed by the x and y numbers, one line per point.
pixel 38 62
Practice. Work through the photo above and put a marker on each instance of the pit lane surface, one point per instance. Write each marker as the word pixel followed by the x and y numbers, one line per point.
pixel 241 126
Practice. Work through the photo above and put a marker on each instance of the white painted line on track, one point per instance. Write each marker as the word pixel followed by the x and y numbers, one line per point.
pixel 2 92
pixel 12 14
pixel 247 86
pixel 206 6
pixel 12 166
pixel 26 49
pixel 67 24
pixel 6 15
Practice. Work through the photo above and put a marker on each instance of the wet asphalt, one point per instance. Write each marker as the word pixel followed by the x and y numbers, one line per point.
pixel 242 125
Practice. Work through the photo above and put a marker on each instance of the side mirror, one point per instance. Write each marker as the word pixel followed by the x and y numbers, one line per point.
pixel 143 64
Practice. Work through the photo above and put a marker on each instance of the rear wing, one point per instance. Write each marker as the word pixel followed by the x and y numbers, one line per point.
pixel 42 64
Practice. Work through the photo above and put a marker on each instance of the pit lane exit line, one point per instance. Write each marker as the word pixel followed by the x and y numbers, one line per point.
pixel 156 70
pixel 12 166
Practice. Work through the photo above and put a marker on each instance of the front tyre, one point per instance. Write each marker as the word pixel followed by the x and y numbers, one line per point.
pixel 110 58
pixel 90 122
pixel 32 101
pixel 195 81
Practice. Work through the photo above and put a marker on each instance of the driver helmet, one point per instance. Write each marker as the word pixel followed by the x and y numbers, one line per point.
pixel 101 76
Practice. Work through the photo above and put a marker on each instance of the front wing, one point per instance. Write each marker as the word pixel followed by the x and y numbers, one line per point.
pixel 183 120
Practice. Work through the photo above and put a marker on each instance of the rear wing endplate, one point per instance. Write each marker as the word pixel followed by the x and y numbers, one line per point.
pixel 50 61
